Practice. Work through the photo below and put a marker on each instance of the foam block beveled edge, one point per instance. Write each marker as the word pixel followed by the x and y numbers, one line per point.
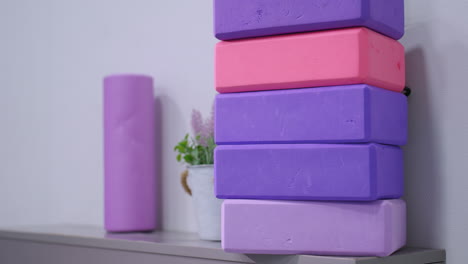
pixel 326 58
pixel 323 228
pixel 340 114
pixel 236 19
pixel 328 172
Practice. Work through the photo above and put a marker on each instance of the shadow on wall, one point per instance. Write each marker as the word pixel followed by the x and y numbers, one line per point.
pixel 158 160
pixel 175 210
pixel 423 178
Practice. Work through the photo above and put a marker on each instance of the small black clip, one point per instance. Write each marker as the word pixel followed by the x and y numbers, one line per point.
pixel 407 91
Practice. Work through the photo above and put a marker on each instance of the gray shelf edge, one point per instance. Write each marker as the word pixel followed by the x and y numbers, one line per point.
pixel 124 245
pixel 406 255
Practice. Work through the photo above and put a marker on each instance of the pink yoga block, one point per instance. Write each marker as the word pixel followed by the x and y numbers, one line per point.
pixel 322 228
pixel 325 58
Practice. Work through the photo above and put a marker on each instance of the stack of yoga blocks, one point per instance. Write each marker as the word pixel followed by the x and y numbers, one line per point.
pixel 309 123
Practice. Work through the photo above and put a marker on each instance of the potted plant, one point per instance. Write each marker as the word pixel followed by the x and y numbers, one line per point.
pixel 198 180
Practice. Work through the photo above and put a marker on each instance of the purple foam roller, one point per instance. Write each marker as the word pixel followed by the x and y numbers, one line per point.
pixel 323 228
pixel 236 19
pixel 337 114
pixel 129 153
pixel 331 172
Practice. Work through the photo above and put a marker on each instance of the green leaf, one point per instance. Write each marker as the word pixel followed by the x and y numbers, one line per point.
pixel 191 152
pixel 183 144
pixel 188 159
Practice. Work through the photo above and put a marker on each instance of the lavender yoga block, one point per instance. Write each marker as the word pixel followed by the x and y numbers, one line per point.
pixel 338 114
pixel 331 172
pixel 324 228
pixel 236 19
pixel 129 153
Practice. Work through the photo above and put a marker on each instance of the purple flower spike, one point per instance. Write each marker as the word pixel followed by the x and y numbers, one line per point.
pixel 210 123
pixel 198 127
pixel 203 129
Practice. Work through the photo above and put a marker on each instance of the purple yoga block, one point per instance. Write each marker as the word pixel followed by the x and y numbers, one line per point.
pixel 323 228
pixel 129 154
pixel 329 172
pixel 236 19
pixel 338 114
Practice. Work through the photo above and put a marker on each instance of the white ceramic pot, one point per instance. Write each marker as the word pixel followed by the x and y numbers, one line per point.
pixel 207 206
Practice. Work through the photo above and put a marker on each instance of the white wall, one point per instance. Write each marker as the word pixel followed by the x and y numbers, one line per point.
pixel 53 55
pixel 436 44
